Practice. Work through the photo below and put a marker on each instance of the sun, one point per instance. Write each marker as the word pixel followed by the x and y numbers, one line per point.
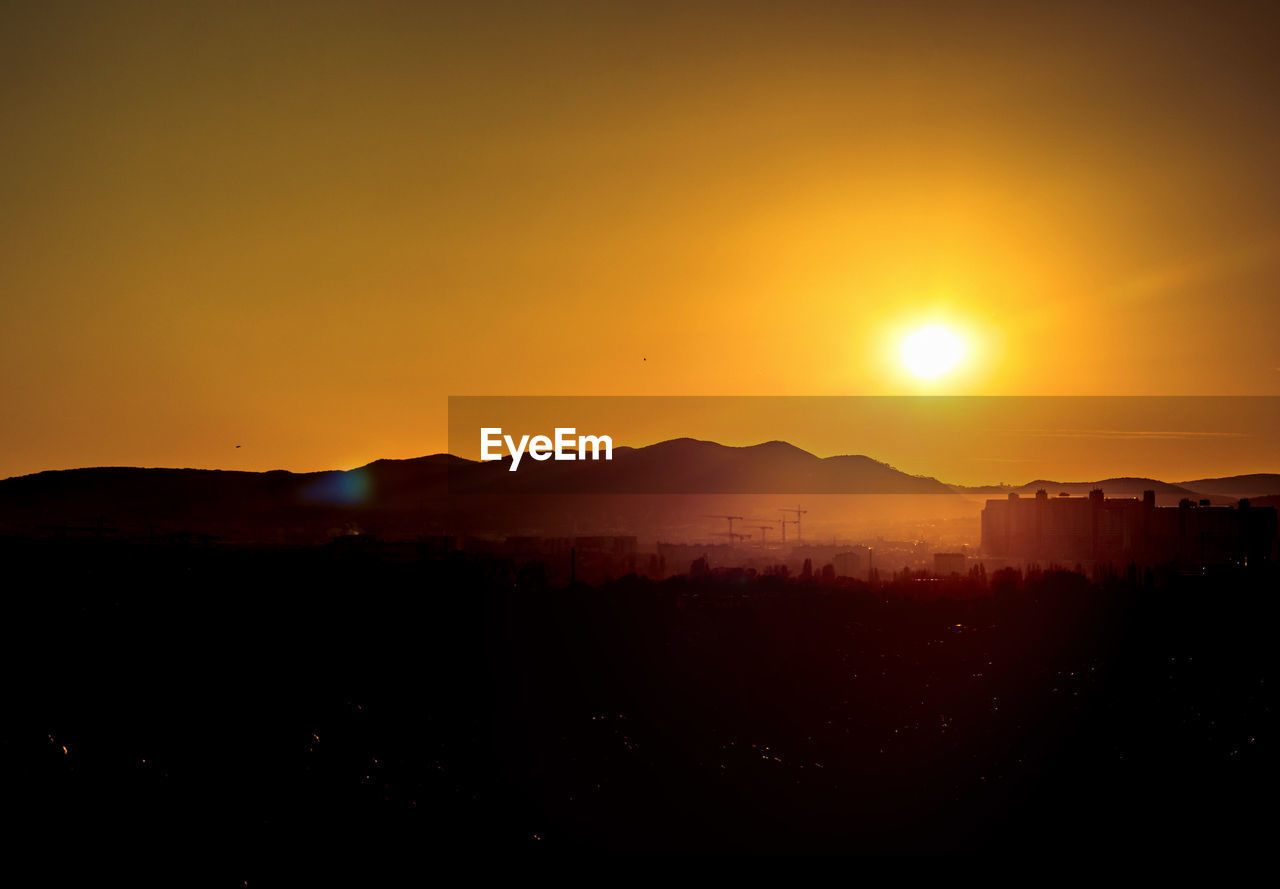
pixel 932 351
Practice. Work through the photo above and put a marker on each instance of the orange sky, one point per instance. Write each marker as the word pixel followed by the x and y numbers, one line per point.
pixel 300 228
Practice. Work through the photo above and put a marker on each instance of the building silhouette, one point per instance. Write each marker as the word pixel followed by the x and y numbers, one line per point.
pixel 945 564
pixel 1096 528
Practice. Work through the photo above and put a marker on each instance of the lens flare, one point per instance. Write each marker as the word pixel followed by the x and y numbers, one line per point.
pixel 350 488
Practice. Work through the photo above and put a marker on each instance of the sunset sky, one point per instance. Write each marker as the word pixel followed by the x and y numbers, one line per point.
pixel 299 228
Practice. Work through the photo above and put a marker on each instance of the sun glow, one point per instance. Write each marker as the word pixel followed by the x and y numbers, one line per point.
pixel 932 351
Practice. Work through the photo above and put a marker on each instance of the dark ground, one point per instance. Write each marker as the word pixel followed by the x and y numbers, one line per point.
pixel 247 702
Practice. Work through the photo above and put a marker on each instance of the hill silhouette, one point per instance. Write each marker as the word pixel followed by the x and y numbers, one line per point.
pixel 1127 486
pixel 276 506
pixel 692 466
pixel 1258 484
pixel 408 498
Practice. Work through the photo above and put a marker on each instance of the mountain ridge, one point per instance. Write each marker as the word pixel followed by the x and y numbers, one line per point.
pixel 416 495
pixel 1255 484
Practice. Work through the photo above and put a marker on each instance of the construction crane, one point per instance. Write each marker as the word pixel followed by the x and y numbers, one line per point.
pixel 731 518
pixel 784 521
pixel 764 530
pixel 796 521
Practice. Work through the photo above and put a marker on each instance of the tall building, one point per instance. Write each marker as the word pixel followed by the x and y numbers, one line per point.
pixel 852 562
pixel 1068 529
pixel 945 564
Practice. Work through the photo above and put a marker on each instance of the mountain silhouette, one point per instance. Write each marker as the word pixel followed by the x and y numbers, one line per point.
pixel 1258 484
pixel 1113 487
pixel 427 495
pixel 261 507
pixel 692 466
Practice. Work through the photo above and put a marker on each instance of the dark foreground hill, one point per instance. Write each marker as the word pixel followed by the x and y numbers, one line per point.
pixel 239 702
